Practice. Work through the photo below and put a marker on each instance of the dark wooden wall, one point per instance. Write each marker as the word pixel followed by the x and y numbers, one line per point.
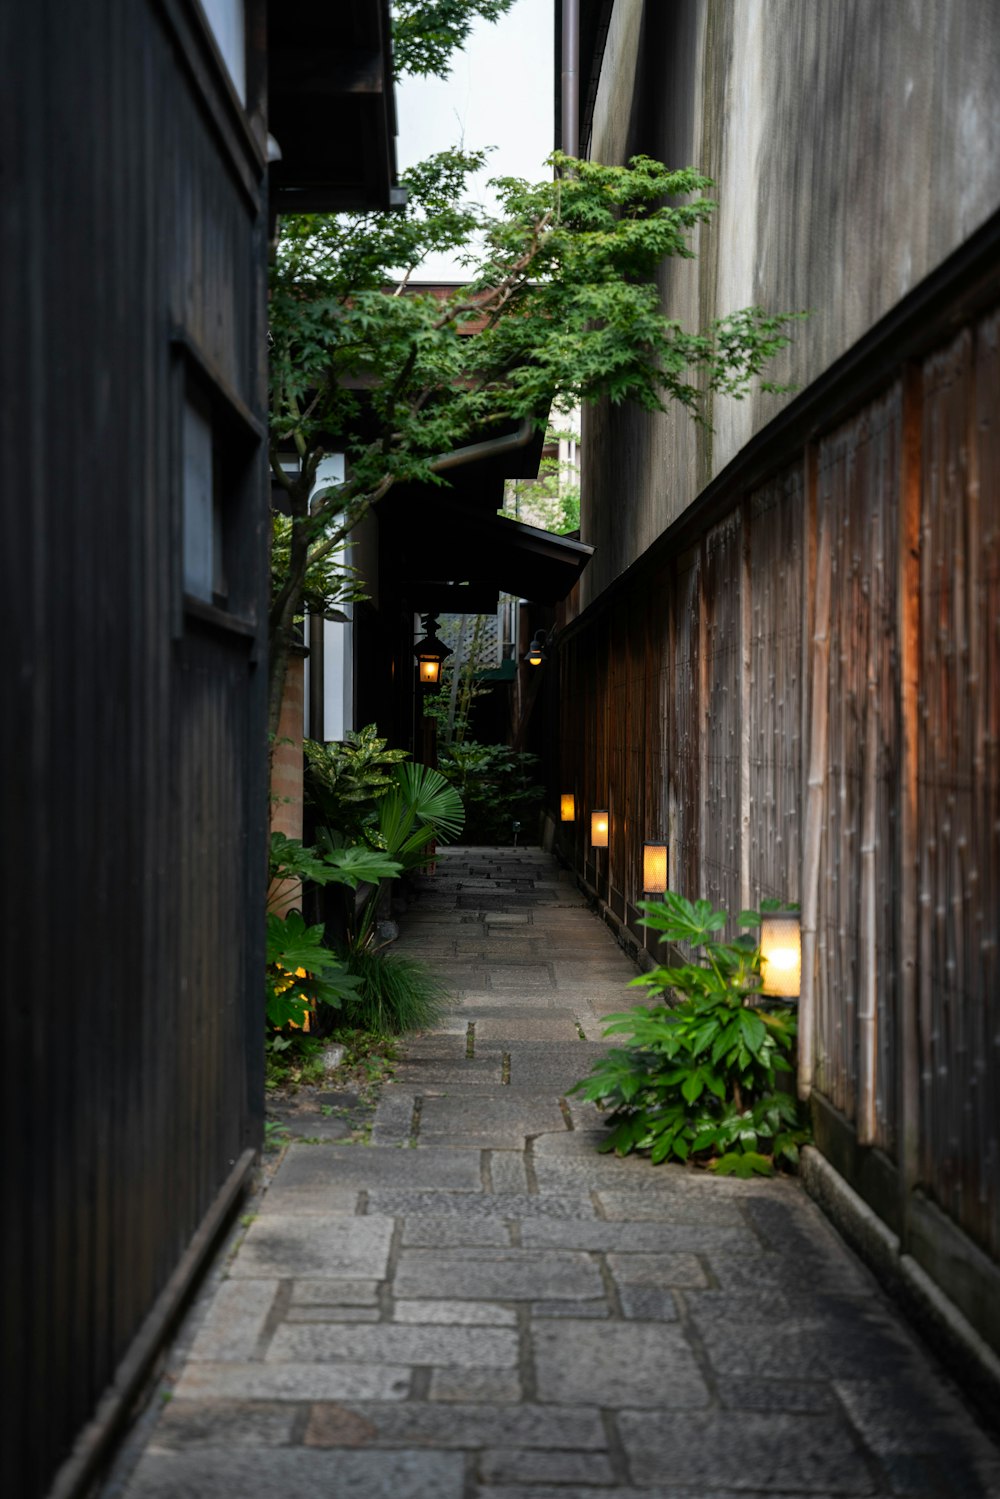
pixel 133 751
pixel 802 691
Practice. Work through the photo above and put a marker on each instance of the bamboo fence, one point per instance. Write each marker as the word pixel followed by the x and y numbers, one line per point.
pixel 810 711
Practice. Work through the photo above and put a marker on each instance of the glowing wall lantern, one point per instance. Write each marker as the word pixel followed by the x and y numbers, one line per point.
pixel 567 807
pixel 535 654
pixel 780 955
pixel 654 868
pixel 599 829
pixel 430 653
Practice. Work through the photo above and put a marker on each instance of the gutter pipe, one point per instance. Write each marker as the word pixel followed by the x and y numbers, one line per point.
pixel 493 447
pixel 571 77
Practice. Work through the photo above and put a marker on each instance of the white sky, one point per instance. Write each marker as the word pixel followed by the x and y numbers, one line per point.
pixel 499 93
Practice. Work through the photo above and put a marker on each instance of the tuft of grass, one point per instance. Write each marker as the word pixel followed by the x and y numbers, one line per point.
pixel 297 1062
pixel 395 994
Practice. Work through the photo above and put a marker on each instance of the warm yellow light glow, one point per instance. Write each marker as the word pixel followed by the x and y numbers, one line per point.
pixel 599 829
pixel 567 807
pixel 534 658
pixel 780 955
pixel 430 670
pixel 654 868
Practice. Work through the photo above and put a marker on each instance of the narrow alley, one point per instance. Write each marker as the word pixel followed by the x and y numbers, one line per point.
pixel 499 1312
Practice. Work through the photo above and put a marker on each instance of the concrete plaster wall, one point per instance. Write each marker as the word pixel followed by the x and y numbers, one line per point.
pixel 854 147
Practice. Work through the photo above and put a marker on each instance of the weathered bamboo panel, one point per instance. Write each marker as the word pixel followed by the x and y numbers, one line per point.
pixel 856 975
pixel 775 688
pixel 621 774
pixel 685 743
pixel 721 710
pixel 959 782
pixel 652 626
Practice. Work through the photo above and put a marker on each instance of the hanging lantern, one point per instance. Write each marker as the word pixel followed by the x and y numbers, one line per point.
pixel 430 653
pixel 567 807
pixel 780 955
pixel 599 829
pixel 535 654
pixel 654 868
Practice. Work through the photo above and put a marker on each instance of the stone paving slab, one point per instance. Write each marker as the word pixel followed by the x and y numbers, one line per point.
pixel 324 1244
pixel 471 1426
pixel 498 1274
pixel 649 1364
pixel 481 1306
pixel 306 1472
pixel 308 1168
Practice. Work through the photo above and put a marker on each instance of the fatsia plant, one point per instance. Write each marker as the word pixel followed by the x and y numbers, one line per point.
pixel 302 971
pixel 698 1078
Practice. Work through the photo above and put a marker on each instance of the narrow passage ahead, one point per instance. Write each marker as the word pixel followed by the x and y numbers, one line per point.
pixel 478 1306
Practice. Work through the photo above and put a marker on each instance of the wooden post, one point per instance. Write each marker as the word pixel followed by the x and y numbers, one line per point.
pixel 746 632
pixel 868 962
pixel 819 522
pixel 703 813
pixel 907 908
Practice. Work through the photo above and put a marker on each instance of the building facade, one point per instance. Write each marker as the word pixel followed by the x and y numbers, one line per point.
pixel 133 412
pixel 785 655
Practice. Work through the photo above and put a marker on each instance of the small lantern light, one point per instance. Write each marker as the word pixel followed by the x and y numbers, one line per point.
pixel 567 807
pixel 599 829
pixel 535 654
pixel 654 868
pixel 430 653
pixel 780 955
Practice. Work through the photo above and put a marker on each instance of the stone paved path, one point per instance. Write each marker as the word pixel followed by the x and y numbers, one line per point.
pixel 477 1306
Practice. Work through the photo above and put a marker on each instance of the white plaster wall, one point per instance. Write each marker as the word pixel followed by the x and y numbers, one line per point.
pixel 854 144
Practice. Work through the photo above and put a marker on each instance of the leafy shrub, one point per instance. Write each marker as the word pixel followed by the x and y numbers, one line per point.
pixel 392 993
pixel 302 972
pixel 344 781
pixel 498 786
pixel 699 1079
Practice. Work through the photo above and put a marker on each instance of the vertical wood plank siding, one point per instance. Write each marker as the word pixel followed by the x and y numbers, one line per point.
pixel 959 781
pixel 703 691
pixel 721 706
pixel 859 502
pixel 774 730
pixel 134 752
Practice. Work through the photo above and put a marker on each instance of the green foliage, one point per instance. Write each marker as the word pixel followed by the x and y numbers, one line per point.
pixel 352 866
pixel 552 499
pixel 419 808
pixel 451 707
pixel 426 32
pixel 392 994
pixel 563 305
pixel 329 581
pixel 301 971
pixel 498 786
pixel 699 1079
pixel 344 781
pixel 293 1059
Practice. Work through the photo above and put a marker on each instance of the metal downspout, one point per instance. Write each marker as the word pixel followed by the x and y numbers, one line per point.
pixel 571 77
